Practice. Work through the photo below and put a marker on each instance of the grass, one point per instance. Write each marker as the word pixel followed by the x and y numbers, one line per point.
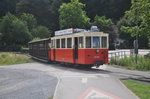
pixel 128 62
pixel 7 58
pixel 142 90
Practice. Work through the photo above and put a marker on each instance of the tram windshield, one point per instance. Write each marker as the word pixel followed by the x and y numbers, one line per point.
pixel 104 42
pixel 96 42
pixel 88 42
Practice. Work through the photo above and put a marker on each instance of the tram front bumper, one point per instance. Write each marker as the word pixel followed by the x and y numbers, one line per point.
pixel 98 63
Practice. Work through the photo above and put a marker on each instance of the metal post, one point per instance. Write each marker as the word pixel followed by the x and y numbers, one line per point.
pixel 136 41
pixel 136 54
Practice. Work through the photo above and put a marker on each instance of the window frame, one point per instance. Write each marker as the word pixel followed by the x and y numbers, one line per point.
pixel 83 44
pixel 99 42
pixel 67 42
pixel 63 47
pixel 86 42
pixel 57 44
pixel 106 47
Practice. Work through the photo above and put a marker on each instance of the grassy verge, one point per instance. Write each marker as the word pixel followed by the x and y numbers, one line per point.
pixel 128 62
pixel 140 89
pixel 12 58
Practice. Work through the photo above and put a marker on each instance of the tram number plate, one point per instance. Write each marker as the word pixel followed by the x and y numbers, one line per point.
pixel 96 56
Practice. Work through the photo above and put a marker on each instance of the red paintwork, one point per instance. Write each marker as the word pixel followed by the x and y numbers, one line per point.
pixel 52 52
pixel 85 56
pixel 49 54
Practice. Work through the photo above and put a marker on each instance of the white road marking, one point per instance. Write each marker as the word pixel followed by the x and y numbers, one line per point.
pixel 93 93
pixel 56 88
pixel 84 80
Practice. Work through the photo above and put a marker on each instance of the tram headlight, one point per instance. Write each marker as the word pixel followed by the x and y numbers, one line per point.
pixel 97 51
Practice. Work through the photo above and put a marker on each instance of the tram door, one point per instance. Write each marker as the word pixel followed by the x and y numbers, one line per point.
pixel 76 48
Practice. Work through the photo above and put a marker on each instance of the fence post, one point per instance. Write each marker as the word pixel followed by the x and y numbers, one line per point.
pixel 115 57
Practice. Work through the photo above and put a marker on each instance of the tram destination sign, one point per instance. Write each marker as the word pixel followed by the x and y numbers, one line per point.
pixel 64 32
pixel 69 31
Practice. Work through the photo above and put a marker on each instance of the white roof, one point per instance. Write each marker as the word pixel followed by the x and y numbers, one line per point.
pixel 82 34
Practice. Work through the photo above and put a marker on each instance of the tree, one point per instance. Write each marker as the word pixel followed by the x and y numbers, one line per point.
pixel 103 23
pixel 137 19
pixel 71 15
pixel 43 10
pixel 106 25
pixel 14 32
pixel 29 19
pixel 7 6
pixel 41 32
pixel 113 9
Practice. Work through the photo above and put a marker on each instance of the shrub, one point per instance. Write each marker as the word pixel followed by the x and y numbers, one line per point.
pixel 129 62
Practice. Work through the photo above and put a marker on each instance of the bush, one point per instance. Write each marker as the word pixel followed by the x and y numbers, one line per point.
pixel 41 32
pixel 13 58
pixel 129 62
pixel 14 33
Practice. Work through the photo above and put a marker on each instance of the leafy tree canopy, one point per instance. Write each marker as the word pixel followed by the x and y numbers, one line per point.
pixel 103 23
pixel 29 19
pixel 14 31
pixel 41 9
pixel 7 6
pixel 72 15
pixel 138 18
pixel 41 32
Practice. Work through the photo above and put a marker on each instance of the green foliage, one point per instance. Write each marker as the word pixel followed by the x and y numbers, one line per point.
pixel 35 39
pixel 12 58
pixel 7 6
pixel 72 15
pixel 138 18
pixel 103 23
pixel 113 9
pixel 14 31
pixel 45 11
pixel 29 19
pixel 142 90
pixel 41 32
pixel 129 62
pixel 131 30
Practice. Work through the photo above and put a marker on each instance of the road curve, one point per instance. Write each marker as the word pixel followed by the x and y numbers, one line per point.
pixel 38 81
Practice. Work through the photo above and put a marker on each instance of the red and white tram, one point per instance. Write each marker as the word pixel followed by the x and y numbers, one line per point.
pixel 85 48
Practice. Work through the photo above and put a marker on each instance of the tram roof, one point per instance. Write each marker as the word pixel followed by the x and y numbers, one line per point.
pixel 39 40
pixel 88 33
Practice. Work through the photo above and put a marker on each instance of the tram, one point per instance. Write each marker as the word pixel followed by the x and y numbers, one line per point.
pixel 75 46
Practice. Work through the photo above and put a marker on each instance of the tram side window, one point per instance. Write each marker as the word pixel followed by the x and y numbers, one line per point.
pixel 81 42
pixel 51 46
pixel 88 42
pixel 63 43
pixel 69 42
pixel 104 42
pixel 96 42
pixel 58 43
pixel 53 43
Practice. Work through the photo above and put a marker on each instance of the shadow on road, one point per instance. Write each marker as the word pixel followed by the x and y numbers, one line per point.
pixel 74 67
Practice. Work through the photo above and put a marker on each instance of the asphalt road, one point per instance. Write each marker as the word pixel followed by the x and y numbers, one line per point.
pixel 41 81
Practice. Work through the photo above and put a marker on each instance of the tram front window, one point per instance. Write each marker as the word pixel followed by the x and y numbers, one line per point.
pixel 104 42
pixel 88 42
pixel 96 42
